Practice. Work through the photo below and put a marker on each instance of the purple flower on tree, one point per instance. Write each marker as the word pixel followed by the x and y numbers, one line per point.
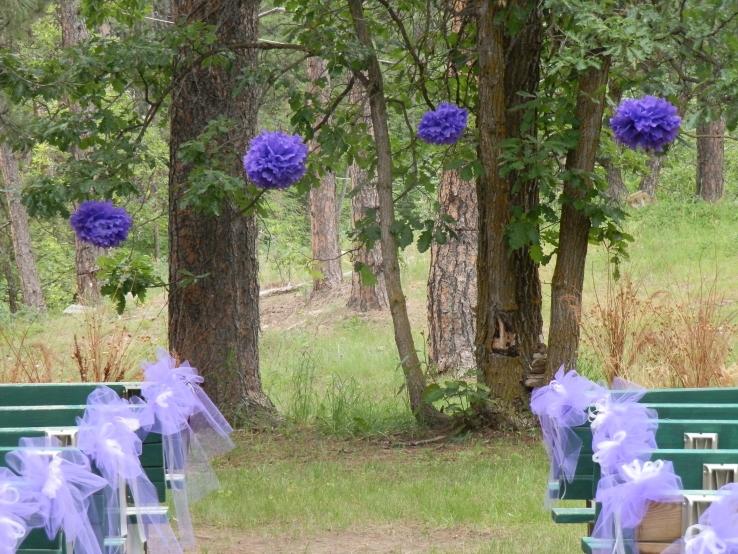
pixel 101 223
pixel 275 160
pixel 650 123
pixel 444 125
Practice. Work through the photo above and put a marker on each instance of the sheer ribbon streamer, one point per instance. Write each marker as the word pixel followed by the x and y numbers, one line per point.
pixel 20 509
pixel 109 433
pixel 561 406
pixel 625 497
pixel 193 432
pixel 717 530
pixel 65 484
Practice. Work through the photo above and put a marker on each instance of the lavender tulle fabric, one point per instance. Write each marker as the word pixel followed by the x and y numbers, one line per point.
pixel 560 406
pixel 110 434
pixel 622 428
pixel 717 530
pixel 626 494
pixel 20 509
pixel 193 432
pixel 65 483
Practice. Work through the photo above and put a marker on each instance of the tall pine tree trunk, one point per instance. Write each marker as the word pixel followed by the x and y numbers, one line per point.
pixel 413 371
pixel 568 277
pixel 650 180
pixel 365 296
pixel 75 32
pixel 452 280
pixel 711 160
pixel 323 207
pixel 214 321
pixel 509 323
pixel 20 231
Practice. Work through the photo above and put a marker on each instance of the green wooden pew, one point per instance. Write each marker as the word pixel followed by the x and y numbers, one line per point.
pixel 47 409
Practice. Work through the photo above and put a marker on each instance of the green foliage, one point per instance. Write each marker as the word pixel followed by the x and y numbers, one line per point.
pixel 465 401
pixel 125 273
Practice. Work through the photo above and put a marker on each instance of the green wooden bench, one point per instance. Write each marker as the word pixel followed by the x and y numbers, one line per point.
pixel 51 410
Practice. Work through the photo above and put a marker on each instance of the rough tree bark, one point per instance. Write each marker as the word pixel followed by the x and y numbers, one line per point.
pixel 20 231
pixel 365 297
pixel 711 160
pixel 7 262
pixel 75 32
pixel 414 377
pixel 214 322
pixel 452 280
pixel 509 322
pixel 568 277
pixel 323 207
pixel 616 188
pixel 650 180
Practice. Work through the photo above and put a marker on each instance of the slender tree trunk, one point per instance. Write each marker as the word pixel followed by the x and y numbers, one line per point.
pixel 7 262
pixel 452 280
pixel 324 208
pixel 650 180
pixel 509 322
pixel 414 377
pixel 616 189
pixel 20 231
pixel 568 278
pixel 214 321
pixel 75 32
pixel 364 296
pixel 711 160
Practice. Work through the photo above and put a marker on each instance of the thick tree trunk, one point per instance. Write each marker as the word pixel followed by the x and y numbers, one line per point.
pixel 20 231
pixel 650 180
pixel 568 277
pixel 414 377
pixel 214 321
pixel 508 336
pixel 452 280
pixel 324 208
pixel 75 32
pixel 711 160
pixel 364 296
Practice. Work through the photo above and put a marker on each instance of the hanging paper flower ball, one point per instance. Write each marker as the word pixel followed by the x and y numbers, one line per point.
pixel 275 160
pixel 444 125
pixel 101 223
pixel 650 123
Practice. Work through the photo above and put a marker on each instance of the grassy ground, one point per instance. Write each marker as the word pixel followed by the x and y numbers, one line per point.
pixel 340 476
pixel 305 493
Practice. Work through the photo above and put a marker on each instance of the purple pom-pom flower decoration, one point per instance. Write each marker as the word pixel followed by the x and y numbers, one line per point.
pixel 275 160
pixel 649 123
pixel 444 125
pixel 101 223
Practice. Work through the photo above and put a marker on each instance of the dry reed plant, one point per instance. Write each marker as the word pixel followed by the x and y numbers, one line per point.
pixel 25 362
pixel 100 354
pixel 662 339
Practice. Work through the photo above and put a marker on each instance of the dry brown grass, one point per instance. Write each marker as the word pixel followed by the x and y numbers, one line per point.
pixel 25 361
pixel 101 353
pixel 664 338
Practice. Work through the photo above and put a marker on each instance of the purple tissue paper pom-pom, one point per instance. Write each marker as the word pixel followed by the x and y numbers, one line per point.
pixel 101 223
pixel 444 125
pixel 650 123
pixel 275 160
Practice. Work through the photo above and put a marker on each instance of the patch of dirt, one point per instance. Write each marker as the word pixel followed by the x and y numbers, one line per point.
pixel 403 539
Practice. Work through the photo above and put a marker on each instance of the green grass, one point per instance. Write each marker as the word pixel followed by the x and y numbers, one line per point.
pixel 302 484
